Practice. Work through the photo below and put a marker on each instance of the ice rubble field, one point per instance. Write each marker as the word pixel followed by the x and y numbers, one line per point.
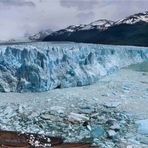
pixel 51 112
pixel 102 114
pixel 45 66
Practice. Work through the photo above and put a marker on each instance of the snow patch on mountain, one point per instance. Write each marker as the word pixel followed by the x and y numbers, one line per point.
pixel 99 24
pixel 40 35
pixel 134 19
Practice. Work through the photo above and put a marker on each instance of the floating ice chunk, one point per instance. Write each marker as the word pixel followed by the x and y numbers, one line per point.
pixel 75 117
pixel 143 126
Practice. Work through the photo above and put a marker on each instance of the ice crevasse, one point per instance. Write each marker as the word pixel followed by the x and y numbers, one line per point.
pixel 44 66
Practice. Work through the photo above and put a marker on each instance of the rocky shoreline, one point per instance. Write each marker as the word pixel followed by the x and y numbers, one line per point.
pixel 104 126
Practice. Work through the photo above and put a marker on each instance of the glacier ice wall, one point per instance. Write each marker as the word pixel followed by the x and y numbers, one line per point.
pixel 46 66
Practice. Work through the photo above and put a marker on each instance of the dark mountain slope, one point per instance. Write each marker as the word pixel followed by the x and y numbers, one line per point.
pixel 132 30
pixel 78 36
pixel 125 34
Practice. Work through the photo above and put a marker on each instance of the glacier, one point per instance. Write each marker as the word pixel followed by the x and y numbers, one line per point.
pixel 43 66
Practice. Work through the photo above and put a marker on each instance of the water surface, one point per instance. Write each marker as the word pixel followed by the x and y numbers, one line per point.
pixel 143 67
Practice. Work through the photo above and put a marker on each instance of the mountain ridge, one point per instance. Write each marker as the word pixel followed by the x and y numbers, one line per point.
pixel 105 31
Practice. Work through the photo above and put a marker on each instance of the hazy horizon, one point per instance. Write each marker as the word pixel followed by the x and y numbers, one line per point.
pixel 19 17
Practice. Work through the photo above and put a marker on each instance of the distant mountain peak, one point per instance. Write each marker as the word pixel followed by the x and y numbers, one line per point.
pixel 40 35
pixel 99 24
pixel 102 24
pixel 134 18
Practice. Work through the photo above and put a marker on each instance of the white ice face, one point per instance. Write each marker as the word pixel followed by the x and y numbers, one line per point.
pixel 45 66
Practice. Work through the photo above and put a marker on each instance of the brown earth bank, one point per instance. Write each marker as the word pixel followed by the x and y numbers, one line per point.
pixel 10 139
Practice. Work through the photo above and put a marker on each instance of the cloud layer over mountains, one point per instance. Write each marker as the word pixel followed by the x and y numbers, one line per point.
pixel 18 17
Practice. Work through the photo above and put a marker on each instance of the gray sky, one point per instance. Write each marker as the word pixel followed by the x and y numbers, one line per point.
pixel 18 17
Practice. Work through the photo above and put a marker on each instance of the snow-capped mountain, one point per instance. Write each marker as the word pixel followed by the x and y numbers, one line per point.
pixel 139 17
pixel 104 24
pixel 99 24
pixel 132 30
pixel 40 35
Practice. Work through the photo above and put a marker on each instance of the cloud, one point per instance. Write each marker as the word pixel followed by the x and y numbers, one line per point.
pixel 119 9
pixel 17 3
pixel 85 16
pixel 18 17
pixel 79 4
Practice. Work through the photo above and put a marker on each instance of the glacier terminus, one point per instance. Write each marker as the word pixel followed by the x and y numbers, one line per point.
pixel 44 66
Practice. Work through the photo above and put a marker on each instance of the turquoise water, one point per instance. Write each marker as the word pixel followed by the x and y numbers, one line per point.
pixel 139 67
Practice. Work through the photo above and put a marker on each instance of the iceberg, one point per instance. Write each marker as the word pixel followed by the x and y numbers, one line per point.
pixel 43 66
